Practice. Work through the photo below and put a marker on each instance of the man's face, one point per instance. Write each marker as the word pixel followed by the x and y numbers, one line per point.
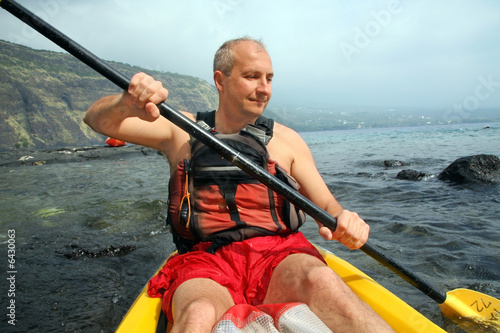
pixel 248 89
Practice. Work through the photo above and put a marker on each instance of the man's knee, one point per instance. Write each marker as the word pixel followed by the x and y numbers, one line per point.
pixel 196 309
pixel 203 303
pixel 199 303
pixel 322 279
pixel 199 315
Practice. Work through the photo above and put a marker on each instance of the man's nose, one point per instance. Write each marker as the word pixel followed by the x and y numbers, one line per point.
pixel 264 86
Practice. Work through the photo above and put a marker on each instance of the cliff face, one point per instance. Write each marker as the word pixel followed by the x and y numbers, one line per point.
pixel 44 96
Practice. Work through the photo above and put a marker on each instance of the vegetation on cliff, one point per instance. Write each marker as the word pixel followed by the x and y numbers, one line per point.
pixel 44 95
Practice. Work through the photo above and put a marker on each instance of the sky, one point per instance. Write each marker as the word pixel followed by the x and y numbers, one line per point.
pixel 432 54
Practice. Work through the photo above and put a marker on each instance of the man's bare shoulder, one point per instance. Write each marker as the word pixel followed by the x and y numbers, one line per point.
pixel 286 146
pixel 286 134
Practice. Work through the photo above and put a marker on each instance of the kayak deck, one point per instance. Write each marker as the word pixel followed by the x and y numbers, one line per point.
pixel 144 313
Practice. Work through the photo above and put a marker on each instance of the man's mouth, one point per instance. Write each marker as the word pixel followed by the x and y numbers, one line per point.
pixel 260 100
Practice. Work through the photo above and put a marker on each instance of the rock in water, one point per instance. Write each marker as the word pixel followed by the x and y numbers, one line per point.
pixel 393 163
pixel 473 169
pixel 410 174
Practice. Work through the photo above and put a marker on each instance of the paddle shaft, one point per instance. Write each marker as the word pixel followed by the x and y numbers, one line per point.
pixel 214 143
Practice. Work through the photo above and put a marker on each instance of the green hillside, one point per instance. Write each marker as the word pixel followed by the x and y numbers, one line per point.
pixel 44 95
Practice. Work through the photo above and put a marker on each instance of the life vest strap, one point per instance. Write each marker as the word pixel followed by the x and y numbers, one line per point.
pixel 228 191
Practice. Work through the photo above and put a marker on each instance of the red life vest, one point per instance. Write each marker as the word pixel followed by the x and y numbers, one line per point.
pixel 213 200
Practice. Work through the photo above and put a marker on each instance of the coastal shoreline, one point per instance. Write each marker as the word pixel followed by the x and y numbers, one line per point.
pixel 27 157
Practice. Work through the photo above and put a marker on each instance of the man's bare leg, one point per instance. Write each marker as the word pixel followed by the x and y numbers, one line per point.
pixel 304 278
pixel 197 304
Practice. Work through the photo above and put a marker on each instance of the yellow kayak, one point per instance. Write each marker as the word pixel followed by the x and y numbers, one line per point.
pixel 144 314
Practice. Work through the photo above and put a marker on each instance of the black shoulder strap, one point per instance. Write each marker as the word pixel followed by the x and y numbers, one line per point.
pixel 207 116
pixel 264 123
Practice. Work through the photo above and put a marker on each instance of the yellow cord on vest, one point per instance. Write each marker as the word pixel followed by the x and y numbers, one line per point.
pixel 187 196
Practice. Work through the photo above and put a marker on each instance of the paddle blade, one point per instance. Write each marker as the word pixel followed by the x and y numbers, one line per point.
pixel 471 304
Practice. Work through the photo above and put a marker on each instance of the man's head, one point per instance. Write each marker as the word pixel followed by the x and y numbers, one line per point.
pixel 243 73
pixel 224 57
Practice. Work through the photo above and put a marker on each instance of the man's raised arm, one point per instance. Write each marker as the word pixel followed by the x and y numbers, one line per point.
pixel 133 115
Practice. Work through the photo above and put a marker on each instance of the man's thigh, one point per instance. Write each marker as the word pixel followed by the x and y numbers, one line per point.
pixel 291 277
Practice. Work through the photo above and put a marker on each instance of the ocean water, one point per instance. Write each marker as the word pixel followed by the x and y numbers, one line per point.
pixel 89 235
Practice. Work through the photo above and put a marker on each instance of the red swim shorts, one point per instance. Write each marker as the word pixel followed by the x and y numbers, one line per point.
pixel 244 268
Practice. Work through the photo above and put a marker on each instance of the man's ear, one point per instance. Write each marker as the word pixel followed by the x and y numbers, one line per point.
pixel 218 80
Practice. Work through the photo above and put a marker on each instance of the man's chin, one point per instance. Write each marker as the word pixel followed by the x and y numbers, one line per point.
pixel 257 107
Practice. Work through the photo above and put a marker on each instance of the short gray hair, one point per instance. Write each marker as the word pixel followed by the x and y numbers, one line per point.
pixel 224 58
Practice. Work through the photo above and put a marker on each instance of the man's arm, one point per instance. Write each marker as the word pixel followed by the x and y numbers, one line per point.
pixel 133 115
pixel 351 230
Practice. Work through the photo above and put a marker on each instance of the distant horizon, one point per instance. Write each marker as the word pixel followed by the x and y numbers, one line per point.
pixel 313 119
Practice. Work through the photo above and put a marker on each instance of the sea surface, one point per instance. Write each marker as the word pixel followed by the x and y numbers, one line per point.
pixel 88 235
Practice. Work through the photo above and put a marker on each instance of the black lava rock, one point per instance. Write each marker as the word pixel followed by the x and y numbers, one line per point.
pixel 410 174
pixel 473 169
pixel 393 163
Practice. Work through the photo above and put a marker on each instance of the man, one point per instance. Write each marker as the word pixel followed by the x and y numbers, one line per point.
pixel 194 298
